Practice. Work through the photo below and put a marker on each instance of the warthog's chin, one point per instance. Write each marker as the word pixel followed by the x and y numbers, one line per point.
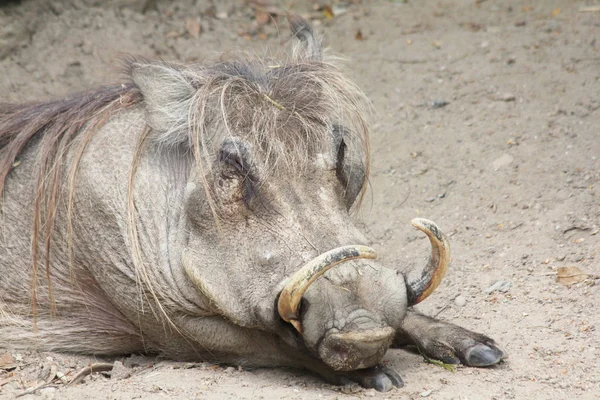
pixel 347 351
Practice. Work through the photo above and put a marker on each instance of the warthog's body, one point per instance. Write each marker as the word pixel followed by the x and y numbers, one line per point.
pixel 166 215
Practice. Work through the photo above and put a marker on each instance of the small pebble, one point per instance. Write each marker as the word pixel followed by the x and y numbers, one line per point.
pixel 460 301
pixel 439 103
pixel 507 97
pixel 503 161
pixel 370 393
pixel 48 393
pixel 499 286
pixel 119 371
pixel 426 393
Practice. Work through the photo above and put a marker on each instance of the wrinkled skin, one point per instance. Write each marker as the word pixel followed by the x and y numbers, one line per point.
pixel 214 285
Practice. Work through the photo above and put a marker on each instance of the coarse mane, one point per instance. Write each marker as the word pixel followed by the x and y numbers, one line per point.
pixel 285 106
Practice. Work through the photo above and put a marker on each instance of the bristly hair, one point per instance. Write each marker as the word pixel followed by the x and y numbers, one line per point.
pixel 285 106
pixel 55 124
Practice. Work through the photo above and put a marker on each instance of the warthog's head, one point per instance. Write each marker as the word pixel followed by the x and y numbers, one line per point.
pixel 281 159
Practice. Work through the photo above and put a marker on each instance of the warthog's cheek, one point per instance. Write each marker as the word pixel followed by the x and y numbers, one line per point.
pixel 355 350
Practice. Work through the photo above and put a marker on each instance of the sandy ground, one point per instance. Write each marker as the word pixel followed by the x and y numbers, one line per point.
pixel 487 122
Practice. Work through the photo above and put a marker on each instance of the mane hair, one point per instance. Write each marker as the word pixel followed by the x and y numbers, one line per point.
pixel 54 124
pixel 285 106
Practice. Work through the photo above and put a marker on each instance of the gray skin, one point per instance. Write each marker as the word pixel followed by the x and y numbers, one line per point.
pixel 214 286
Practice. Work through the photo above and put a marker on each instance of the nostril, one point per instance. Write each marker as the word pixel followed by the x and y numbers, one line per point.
pixel 341 352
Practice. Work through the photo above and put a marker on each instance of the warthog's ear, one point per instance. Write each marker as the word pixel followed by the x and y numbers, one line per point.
pixel 167 95
pixel 302 30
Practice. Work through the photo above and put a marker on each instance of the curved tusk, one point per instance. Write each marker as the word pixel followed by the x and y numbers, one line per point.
pixel 291 295
pixel 421 283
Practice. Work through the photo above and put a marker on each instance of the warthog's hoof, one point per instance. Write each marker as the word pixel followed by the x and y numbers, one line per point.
pixel 483 355
pixel 380 378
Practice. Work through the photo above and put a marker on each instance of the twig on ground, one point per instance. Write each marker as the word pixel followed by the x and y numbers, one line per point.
pixel 33 390
pixel 448 367
pixel 13 366
pixel 97 367
pixel 441 310
pixel 7 380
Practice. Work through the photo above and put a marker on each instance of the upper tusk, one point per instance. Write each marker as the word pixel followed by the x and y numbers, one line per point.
pixel 291 295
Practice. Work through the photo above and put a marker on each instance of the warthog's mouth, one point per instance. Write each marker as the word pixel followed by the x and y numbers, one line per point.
pixel 347 351
pixel 288 305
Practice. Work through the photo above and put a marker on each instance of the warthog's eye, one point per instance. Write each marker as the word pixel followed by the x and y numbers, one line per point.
pixel 349 170
pixel 237 171
pixel 339 166
pixel 233 160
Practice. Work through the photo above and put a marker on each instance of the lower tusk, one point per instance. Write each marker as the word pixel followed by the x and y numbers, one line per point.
pixel 421 283
pixel 291 295
pixel 297 324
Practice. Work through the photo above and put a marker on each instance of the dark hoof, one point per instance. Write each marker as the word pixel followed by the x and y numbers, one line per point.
pixel 483 356
pixel 380 378
pixel 465 347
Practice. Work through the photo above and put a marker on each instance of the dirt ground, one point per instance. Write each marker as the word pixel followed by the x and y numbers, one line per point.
pixel 486 121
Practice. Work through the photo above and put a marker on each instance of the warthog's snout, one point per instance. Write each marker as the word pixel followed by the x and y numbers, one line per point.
pixel 381 295
pixel 288 305
pixel 355 350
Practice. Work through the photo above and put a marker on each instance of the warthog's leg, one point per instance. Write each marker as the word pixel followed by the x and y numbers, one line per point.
pixel 447 342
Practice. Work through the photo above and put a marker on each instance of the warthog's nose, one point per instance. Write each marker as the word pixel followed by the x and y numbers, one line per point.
pixel 354 350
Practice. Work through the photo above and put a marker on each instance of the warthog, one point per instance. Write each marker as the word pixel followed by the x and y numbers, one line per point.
pixel 195 211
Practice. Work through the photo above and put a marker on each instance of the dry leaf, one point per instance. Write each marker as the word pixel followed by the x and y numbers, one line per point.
pixel 193 27
pixel 6 360
pixel 328 12
pixel 570 275
pixel 556 12
pixel 359 35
